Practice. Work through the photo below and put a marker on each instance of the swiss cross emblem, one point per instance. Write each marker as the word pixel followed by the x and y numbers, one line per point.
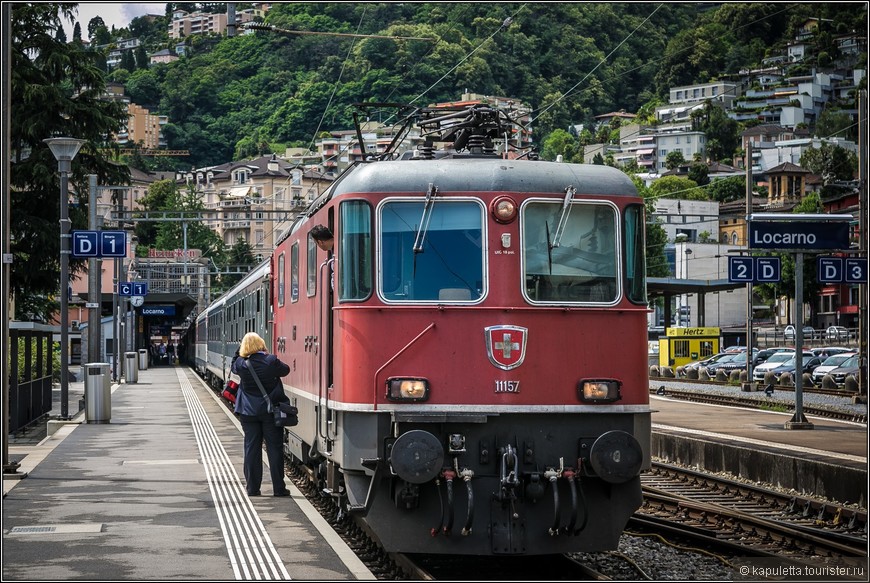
pixel 506 345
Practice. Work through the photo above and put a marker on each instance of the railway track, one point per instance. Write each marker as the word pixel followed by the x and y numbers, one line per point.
pixel 748 518
pixel 754 402
pixel 668 510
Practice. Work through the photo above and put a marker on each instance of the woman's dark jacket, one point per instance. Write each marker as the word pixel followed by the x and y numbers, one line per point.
pixel 249 400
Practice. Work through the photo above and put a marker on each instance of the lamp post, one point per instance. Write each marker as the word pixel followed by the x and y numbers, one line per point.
pixel 64 150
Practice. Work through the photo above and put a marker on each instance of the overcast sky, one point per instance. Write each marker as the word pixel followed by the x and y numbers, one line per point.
pixel 118 14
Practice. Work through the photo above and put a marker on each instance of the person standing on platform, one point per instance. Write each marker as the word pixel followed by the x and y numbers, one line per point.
pixel 170 350
pixel 252 408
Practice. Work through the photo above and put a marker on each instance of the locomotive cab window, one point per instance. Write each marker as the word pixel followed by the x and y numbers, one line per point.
pixel 570 252
pixel 431 253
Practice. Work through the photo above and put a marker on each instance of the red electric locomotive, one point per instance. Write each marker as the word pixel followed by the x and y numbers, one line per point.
pixel 469 359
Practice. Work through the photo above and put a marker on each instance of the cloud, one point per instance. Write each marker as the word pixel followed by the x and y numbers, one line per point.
pixel 117 14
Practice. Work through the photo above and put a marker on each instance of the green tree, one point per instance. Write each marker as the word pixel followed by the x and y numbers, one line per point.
pixel 656 237
pixel 698 174
pixel 56 90
pixel 674 160
pixel 559 143
pixel 831 162
pixel 239 256
pixel 721 132
pixel 727 189
pixel 677 187
pixel 141 58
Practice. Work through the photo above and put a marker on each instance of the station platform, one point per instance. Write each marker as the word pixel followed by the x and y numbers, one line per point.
pixel 827 461
pixel 157 493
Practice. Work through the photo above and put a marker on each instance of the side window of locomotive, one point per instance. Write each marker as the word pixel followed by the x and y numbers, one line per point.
pixel 281 279
pixel 635 254
pixel 294 272
pixel 570 254
pixel 311 268
pixel 355 251
pixel 432 254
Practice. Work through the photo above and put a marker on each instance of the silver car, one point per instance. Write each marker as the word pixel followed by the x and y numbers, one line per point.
pixel 829 364
pixel 771 363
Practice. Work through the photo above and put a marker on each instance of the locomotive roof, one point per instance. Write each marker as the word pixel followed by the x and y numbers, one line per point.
pixel 473 174
pixel 485 175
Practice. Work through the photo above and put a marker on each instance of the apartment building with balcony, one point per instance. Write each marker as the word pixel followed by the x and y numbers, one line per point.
pixel 255 200
pixel 117 49
pixel 185 23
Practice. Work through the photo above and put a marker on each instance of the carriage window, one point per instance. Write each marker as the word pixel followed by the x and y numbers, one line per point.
pixel 583 268
pixel 446 265
pixel 294 272
pixel 311 267
pixel 635 254
pixel 281 279
pixel 355 251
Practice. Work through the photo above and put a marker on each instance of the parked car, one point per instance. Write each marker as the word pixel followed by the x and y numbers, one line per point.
pixel 772 362
pixel 848 368
pixel 707 361
pixel 766 353
pixel 837 333
pixel 790 332
pixel 738 362
pixel 809 362
pixel 826 351
pixel 829 364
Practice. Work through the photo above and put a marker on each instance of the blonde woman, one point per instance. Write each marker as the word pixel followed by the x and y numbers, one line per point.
pixel 253 410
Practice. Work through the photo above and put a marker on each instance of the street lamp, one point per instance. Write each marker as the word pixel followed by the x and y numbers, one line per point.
pixel 64 150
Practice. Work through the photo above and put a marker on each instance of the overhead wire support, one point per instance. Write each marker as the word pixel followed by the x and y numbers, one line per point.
pixel 199 216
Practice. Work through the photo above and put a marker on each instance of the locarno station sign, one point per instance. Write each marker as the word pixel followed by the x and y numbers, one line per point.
pixel 798 234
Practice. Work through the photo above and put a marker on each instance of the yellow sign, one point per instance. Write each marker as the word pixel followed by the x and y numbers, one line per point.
pixel 692 331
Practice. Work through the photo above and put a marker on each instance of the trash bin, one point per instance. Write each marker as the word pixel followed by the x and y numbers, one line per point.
pixel 98 392
pixel 131 368
pixel 143 359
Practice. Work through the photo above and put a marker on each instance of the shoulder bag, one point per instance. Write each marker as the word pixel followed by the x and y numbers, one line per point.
pixel 284 414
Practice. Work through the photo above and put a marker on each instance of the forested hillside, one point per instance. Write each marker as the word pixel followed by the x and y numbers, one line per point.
pixel 237 97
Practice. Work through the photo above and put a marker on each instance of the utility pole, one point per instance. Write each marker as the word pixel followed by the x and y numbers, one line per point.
pixel 749 383
pixel 95 291
pixel 862 245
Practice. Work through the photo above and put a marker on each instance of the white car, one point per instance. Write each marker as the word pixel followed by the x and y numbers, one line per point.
pixel 774 361
pixel 809 333
pixel 837 333
pixel 828 365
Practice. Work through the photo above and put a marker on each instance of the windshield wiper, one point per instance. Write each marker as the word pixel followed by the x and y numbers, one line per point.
pixel 420 237
pixel 563 218
pixel 549 247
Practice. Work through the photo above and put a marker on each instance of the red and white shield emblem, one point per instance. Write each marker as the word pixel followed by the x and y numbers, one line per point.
pixel 506 345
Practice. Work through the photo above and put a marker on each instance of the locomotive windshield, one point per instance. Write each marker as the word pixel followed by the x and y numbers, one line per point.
pixel 582 264
pixel 448 266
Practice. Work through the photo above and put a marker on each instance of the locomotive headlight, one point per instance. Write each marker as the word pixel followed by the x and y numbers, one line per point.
pixel 599 390
pixel 407 389
pixel 504 209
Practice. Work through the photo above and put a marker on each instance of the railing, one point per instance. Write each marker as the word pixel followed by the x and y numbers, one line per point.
pixel 30 373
